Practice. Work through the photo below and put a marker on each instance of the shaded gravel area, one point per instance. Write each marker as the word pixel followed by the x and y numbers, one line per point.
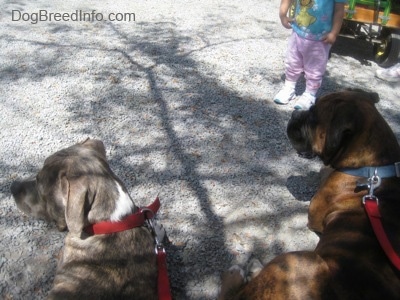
pixel 182 98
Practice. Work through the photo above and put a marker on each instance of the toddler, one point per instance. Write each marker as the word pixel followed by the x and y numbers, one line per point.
pixel 315 24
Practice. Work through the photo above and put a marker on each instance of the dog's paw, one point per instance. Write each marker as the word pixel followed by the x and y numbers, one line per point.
pixel 236 270
pixel 253 269
pixel 231 281
pixel 233 277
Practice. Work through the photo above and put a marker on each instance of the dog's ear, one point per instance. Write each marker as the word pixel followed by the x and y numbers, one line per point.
pixel 95 145
pixel 373 97
pixel 366 95
pixel 76 202
pixel 343 126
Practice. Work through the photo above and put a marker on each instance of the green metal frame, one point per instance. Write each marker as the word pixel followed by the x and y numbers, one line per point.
pixel 378 5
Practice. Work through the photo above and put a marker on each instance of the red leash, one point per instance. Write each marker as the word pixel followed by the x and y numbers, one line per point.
pixel 136 220
pixel 370 201
pixel 371 206
pixel 164 291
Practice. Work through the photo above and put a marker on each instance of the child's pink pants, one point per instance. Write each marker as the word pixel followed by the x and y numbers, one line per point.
pixel 308 56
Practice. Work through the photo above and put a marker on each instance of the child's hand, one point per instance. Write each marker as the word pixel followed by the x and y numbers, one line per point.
pixel 330 38
pixel 286 22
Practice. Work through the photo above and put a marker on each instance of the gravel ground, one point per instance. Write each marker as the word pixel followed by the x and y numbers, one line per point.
pixel 182 98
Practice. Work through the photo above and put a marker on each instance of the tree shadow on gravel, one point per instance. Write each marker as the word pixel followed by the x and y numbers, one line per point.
pixel 303 187
pixel 201 102
pixel 207 102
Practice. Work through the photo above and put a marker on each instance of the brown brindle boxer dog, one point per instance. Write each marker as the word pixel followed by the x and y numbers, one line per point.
pixel 347 132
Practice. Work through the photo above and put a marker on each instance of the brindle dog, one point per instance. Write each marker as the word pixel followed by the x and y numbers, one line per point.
pixel 75 188
pixel 347 133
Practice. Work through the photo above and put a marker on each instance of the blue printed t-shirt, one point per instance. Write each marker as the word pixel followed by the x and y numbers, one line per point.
pixel 313 18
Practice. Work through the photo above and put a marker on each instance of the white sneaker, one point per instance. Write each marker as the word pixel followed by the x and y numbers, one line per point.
pixel 391 75
pixel 284 95
pixel 305 101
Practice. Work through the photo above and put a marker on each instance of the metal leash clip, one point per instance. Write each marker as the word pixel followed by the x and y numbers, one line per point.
pixel 373 183
pixel 158 232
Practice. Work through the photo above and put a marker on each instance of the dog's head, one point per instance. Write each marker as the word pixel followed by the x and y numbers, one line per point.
pixel 343 129
pixel 75 188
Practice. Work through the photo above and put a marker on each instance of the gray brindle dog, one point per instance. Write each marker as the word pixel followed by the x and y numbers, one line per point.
pixel 75 188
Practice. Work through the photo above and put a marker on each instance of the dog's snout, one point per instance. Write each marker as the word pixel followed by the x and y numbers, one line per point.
pixel 22 186
pixel 15 187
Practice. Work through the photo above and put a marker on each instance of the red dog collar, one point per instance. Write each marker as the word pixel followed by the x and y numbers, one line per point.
pixel 134 220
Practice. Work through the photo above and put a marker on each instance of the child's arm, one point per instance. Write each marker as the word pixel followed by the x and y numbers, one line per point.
pixel 283 10
pixel 337 23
